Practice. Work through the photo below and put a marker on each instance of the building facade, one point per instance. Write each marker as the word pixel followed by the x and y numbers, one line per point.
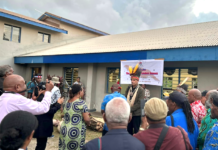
pixel 22 34
pixel 188 51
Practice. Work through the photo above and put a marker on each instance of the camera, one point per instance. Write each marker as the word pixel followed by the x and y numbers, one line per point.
pixel 42 86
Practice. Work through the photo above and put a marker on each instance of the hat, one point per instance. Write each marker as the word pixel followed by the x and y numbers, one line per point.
pixel 156 109
pixel 183 88
pixel 178 97
pixel 135 72
pixel 55 80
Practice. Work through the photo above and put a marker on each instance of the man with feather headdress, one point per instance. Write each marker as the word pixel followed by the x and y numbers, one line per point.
pixel 134 94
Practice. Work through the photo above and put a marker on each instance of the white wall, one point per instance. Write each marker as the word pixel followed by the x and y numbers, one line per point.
pixel 29 41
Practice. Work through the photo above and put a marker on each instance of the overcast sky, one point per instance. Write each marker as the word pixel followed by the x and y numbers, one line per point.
pixel 121 16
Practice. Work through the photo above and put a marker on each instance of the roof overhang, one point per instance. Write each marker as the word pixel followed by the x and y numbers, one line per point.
pixel 83 58
pixel 170 55
pixel 73 23
pixel 5 15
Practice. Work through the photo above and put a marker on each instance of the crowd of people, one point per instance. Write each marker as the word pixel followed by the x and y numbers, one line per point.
pixel 186 120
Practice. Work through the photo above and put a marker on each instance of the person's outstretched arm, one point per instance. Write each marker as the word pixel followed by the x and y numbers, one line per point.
pixel 34 107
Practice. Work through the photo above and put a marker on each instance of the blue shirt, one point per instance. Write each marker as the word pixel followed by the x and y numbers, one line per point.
pixel 211 140
pixel 180 120
pixel 107 98
pixel 32 86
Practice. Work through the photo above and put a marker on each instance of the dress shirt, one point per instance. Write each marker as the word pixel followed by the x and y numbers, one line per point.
pixel 12 102
pixel 107 98
pixel 211 140
pixel 198 111
pixel 180 120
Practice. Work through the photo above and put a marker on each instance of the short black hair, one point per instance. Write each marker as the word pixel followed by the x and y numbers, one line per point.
pixel 78 77
pixel 75 89
pixel 204 93
pixel 15 128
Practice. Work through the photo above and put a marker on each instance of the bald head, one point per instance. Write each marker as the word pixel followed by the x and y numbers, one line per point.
pixel 115 87
pixel 194 95
pixel 14 83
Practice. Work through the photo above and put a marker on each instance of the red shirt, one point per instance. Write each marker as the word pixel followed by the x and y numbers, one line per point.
pixel 173 140
pixel 198 111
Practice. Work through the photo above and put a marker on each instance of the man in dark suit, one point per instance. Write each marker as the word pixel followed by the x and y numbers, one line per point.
pixel 116 116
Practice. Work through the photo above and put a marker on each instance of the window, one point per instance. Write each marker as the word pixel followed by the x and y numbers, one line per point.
pixel 168 82
pixel 36 71
pixel 43 37
pixel 113 75
pixel 194 83
pixel 174 76
pixel 11 33
pixel 70 75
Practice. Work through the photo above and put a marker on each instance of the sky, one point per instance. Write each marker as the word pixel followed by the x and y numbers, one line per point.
pixel 120 16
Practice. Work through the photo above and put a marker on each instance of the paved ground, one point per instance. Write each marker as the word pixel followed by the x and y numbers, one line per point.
pixel 52 143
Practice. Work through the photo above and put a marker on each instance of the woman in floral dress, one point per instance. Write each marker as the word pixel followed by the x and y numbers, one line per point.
pixel 76 116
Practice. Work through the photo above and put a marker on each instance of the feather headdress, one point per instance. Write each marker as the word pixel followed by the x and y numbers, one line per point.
pixel 135 72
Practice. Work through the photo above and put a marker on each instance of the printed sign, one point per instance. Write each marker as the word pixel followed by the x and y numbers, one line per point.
pixel 151 71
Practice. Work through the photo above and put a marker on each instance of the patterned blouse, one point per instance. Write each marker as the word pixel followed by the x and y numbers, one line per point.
pixel 198 111
pixel 211 140
pixel 73 129
pixel 206 124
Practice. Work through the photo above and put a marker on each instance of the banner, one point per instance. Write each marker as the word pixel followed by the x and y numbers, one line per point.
pixel 152 71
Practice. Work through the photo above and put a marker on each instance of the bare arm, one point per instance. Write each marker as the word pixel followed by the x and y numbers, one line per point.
pixel 29 95
pixel 86 118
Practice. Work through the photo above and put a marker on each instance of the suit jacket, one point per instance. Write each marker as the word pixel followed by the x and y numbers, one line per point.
pixel 117 139
pixel 136 108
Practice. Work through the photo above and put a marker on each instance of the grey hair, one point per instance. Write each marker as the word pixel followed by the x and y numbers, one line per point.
pixel 211 95
pixel 4 69
pixel 117 111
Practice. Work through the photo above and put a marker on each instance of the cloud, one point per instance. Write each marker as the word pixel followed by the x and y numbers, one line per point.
pixel 116 16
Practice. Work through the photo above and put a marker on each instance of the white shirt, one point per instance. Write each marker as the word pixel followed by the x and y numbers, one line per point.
pixel 12 102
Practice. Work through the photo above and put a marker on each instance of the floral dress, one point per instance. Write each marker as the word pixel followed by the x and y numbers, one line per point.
pixel 73 129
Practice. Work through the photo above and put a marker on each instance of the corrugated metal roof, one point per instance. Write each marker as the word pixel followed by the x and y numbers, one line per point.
pixel 25 17
pixel 193 35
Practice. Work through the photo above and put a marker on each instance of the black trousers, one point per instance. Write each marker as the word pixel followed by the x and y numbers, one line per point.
pixel 134 125
pixel 104 132
pixel 41 143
